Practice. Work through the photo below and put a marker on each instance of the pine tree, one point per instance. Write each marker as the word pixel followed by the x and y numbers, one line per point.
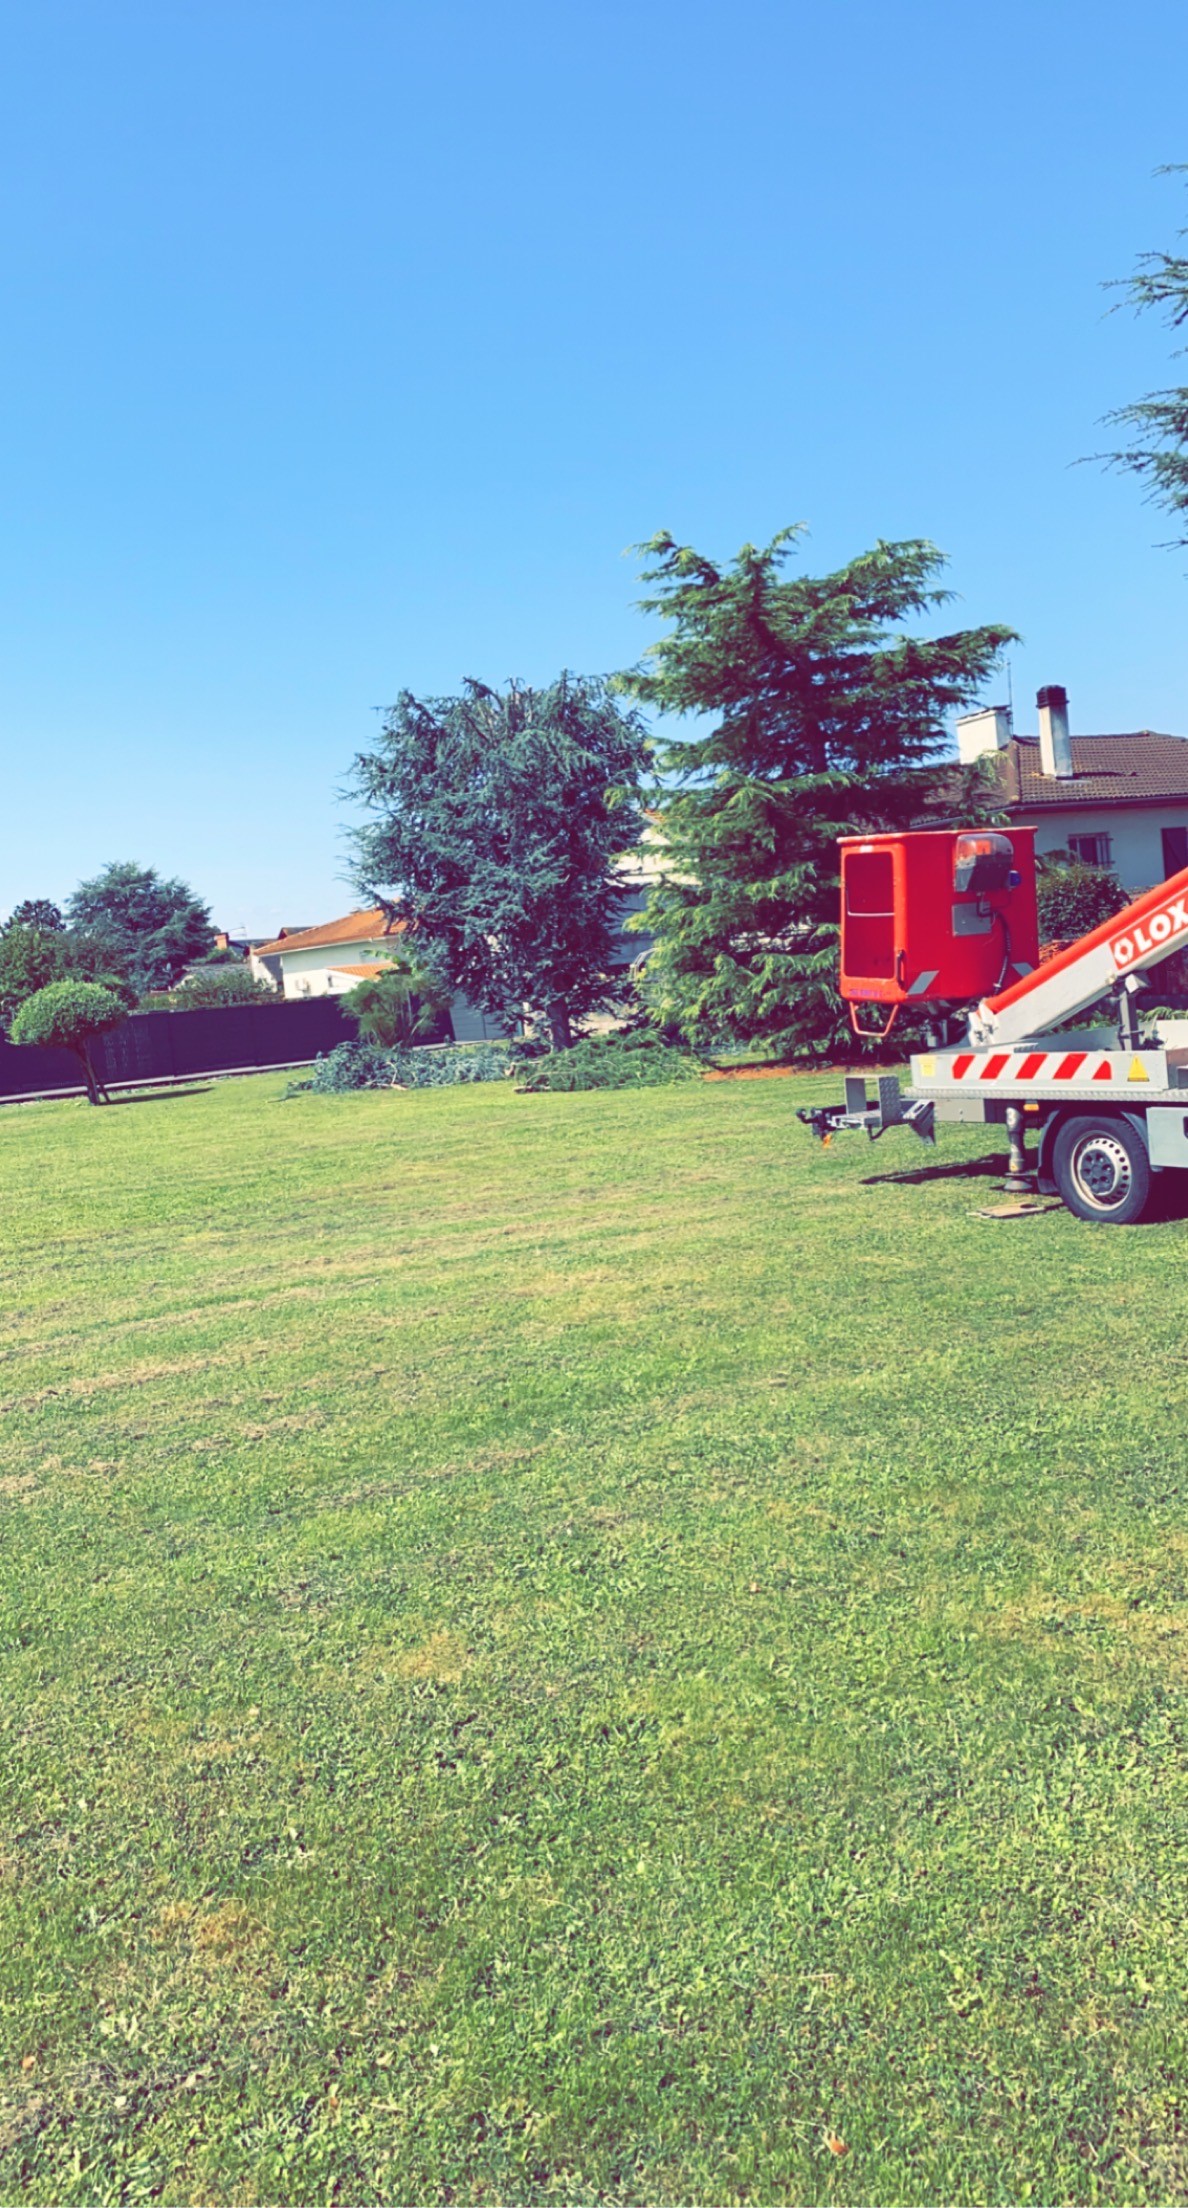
pixel 497 818
pixel 827 721
pixel 1158 453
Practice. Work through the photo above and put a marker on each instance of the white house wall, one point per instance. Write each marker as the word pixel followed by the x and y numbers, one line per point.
pixel 312 973
pixel 1136 846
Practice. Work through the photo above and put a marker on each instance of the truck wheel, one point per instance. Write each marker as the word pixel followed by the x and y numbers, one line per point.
pixel 1102 1170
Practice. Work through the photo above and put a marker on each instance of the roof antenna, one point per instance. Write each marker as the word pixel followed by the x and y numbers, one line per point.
pixel 1010 697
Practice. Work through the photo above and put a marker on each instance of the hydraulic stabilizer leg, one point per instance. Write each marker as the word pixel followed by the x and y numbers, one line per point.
pixel 858 1113
pixel 1020 1175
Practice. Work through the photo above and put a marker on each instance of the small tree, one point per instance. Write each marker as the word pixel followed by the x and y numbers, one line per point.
pixel 497 818
pixel 69 1015
pixel 396 1006
pixel 826 720
pixel 144 927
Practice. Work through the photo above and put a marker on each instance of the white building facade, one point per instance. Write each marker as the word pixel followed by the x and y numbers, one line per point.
pixel 1117 801
pixel 327 961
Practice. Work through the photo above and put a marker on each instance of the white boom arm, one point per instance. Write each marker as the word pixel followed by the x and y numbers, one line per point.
pixel 1145 932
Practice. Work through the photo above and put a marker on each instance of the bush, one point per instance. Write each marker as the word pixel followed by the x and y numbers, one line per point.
pixel 68 1015
pixel 407 1000
pixel 637 1059
pixel 1073 896
pixel 204 992
pixel 360 1065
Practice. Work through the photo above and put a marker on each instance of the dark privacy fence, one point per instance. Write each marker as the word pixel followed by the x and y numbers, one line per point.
pixel 166 1046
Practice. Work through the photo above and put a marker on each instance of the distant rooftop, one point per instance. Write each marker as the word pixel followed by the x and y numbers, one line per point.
pixel 354 927
pixel 1137 769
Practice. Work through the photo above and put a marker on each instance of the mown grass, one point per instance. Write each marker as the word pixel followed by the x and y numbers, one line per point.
pixel 582 1647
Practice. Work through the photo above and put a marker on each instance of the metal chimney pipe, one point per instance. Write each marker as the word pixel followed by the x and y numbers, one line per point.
pixel 1055 742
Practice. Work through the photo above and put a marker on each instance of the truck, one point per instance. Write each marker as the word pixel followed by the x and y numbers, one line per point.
pixel 944 920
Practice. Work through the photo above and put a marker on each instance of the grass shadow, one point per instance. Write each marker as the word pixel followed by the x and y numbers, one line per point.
pixel 162 1096
pixel 966 1169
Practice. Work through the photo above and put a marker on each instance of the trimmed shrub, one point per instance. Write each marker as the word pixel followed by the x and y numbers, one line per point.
pixel 635 1060
pixel 68 1015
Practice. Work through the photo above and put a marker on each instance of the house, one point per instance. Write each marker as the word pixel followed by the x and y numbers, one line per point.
pixel 1118 801
pixel 312 962
pixel 327 961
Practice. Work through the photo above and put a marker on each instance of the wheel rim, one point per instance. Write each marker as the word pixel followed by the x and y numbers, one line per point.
pixel 1102 1173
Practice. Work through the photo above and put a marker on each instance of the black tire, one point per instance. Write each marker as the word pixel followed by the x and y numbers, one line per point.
pixel 1102 1169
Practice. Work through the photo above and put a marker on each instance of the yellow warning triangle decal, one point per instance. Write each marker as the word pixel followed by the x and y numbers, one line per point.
pixel 1138 1071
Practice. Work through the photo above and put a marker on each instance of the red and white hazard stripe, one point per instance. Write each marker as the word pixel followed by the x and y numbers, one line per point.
pixel 1041 1066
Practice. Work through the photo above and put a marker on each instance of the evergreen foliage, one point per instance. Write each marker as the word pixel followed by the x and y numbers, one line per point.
pixel 1158 451
pixel 496 821
pixel 145 928
pixel 362 1065
pixel 826 721
pixel 69 1015
pixel 636 1060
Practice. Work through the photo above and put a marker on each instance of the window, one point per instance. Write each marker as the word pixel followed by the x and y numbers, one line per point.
pixel 1092 850
pixel 870 884
pixel 1175 851
pixel 868 922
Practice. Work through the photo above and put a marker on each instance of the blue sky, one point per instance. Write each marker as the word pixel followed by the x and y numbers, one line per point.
pixel 349 345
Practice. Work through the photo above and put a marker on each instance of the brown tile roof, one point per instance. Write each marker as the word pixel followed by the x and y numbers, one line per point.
pixel 363 973
pixel 1139 769
pixel 354 927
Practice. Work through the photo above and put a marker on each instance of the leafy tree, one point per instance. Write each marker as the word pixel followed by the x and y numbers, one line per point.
pixel 497 818
pixel 37 912
pixel 147 928
pixel 826 721
pixel 396 1006
pixel 30 958
pixel 1158 451
pixel 69 1015
pixel 1073 897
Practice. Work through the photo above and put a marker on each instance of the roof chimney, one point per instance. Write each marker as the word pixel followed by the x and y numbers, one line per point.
pixel 1054 741
pixel 989 729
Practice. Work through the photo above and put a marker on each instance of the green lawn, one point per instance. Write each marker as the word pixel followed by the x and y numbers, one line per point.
pixel 582 1647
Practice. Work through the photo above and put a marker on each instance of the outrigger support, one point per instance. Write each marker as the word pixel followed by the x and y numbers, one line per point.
pixel 1107 1103
pixel 857 1112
